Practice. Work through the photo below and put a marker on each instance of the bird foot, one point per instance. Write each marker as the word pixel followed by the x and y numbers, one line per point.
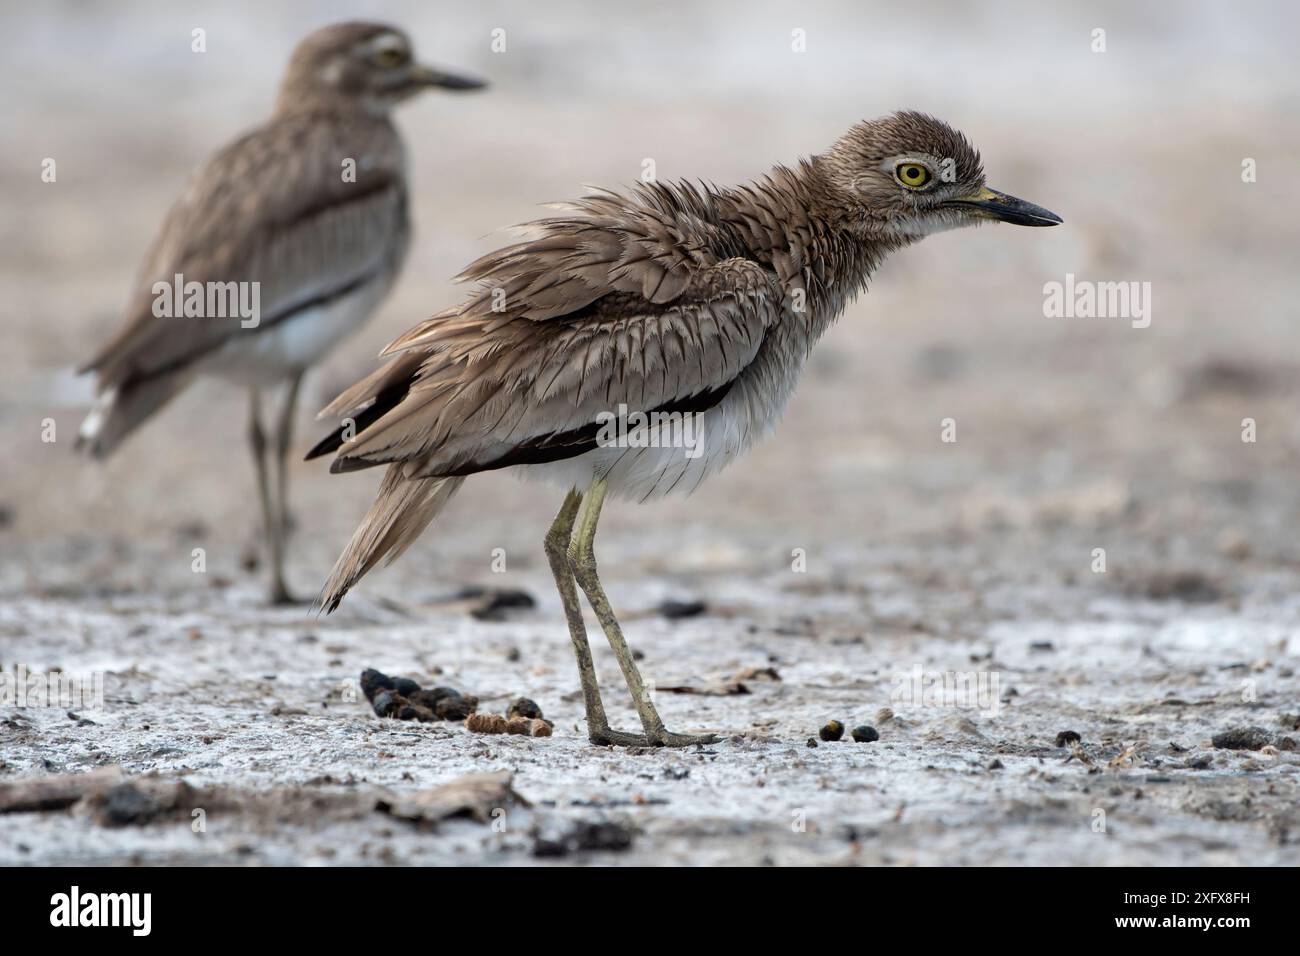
pixel 617 738
pixel 667 738
pixel 661 738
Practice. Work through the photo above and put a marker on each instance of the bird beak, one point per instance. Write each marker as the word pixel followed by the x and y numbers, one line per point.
pixel 991 204
pixel 428 76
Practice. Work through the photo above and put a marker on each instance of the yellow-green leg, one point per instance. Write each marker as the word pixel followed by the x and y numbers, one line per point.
pixel 582 558
pixel 557 552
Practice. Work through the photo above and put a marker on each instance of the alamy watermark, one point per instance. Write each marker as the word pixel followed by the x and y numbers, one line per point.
pixel 1085 299
pixel 208 300
pixel 961 690
pixel 628 429
pixel 19 688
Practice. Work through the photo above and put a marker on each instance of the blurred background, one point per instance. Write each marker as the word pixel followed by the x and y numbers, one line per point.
pixel 1072 433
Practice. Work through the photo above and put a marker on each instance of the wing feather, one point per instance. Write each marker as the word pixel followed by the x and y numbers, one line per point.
pixel 274 208
pixel 631 300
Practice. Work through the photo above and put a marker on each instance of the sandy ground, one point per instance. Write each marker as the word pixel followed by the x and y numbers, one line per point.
pixel 977 556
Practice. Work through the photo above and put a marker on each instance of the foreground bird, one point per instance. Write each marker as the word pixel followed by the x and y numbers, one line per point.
pixel 282 244
pixel 696 303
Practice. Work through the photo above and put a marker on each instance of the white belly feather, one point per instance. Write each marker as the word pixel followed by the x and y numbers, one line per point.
pixel 748 413
pixel 266 356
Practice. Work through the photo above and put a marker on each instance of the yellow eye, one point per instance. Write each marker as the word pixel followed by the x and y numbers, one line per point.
pixel 392 56
pixel 912 175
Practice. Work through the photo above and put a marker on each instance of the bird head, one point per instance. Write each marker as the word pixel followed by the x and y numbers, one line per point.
pixel 370 64
pixel 908 175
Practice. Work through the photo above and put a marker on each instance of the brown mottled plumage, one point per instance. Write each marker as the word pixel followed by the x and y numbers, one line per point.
pixel 671 297
pixel 278 208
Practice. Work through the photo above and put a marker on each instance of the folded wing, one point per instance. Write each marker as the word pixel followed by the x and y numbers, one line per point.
pixel 628 302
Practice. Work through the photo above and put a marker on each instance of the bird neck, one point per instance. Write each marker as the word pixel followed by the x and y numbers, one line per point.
pixel 792 221
pixel 298 97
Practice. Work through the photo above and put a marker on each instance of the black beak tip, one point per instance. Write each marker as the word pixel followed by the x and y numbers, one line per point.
pixel 1021 213
pixel 462 84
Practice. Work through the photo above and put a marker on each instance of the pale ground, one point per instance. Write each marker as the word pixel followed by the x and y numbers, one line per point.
pixel 1072 435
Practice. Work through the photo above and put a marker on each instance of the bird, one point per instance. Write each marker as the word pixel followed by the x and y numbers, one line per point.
pixel 670 299
pixel 303 222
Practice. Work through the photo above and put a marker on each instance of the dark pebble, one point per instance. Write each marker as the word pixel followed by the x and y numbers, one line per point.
pixel 415 712
pixel 372 682
pixel 606 835
pixel 497 603
pixel 1067 737
pixel 544 847
pixel 865 734
pixel 601 835
pixel 1242 738
pixel 455 707
pixel 1194 587
pixel 430 696
pixel 387 703
pixel 125 804
pixel 523 707
pixel 405 686
pixel 676 610
pixel 812 742
pixel 833 730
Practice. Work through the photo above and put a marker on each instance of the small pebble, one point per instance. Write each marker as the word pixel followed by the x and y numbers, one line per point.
pixel 386 703
pixel 455 707
pixel 812 742
pixel 864 734
pixel 409 711
pixel 429 697
pixel 523 707
pixel 497 603
pixel 833 730
pixel 1067 737
pixel 125 804
pixel 676 610
pixel 372 682
pixel 1242 738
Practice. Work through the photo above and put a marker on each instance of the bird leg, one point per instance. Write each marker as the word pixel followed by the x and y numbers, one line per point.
pixel 582 558
pixel 557 552
pixel 283 439
pixel 270 521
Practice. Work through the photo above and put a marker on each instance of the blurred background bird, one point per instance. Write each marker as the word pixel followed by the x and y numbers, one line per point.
pixel 668 303
pixel 306 219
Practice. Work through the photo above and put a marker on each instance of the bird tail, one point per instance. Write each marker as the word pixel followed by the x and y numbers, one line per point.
pixel 403 508
pixel 121 409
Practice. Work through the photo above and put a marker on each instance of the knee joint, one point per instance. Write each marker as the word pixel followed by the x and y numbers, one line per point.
pixel 555 545
pixel 583 562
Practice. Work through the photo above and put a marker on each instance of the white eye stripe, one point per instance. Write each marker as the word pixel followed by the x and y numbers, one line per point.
pixel 387 42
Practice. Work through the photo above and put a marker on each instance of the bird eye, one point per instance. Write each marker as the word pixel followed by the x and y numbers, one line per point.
pixel 912 175
pixel 391 56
